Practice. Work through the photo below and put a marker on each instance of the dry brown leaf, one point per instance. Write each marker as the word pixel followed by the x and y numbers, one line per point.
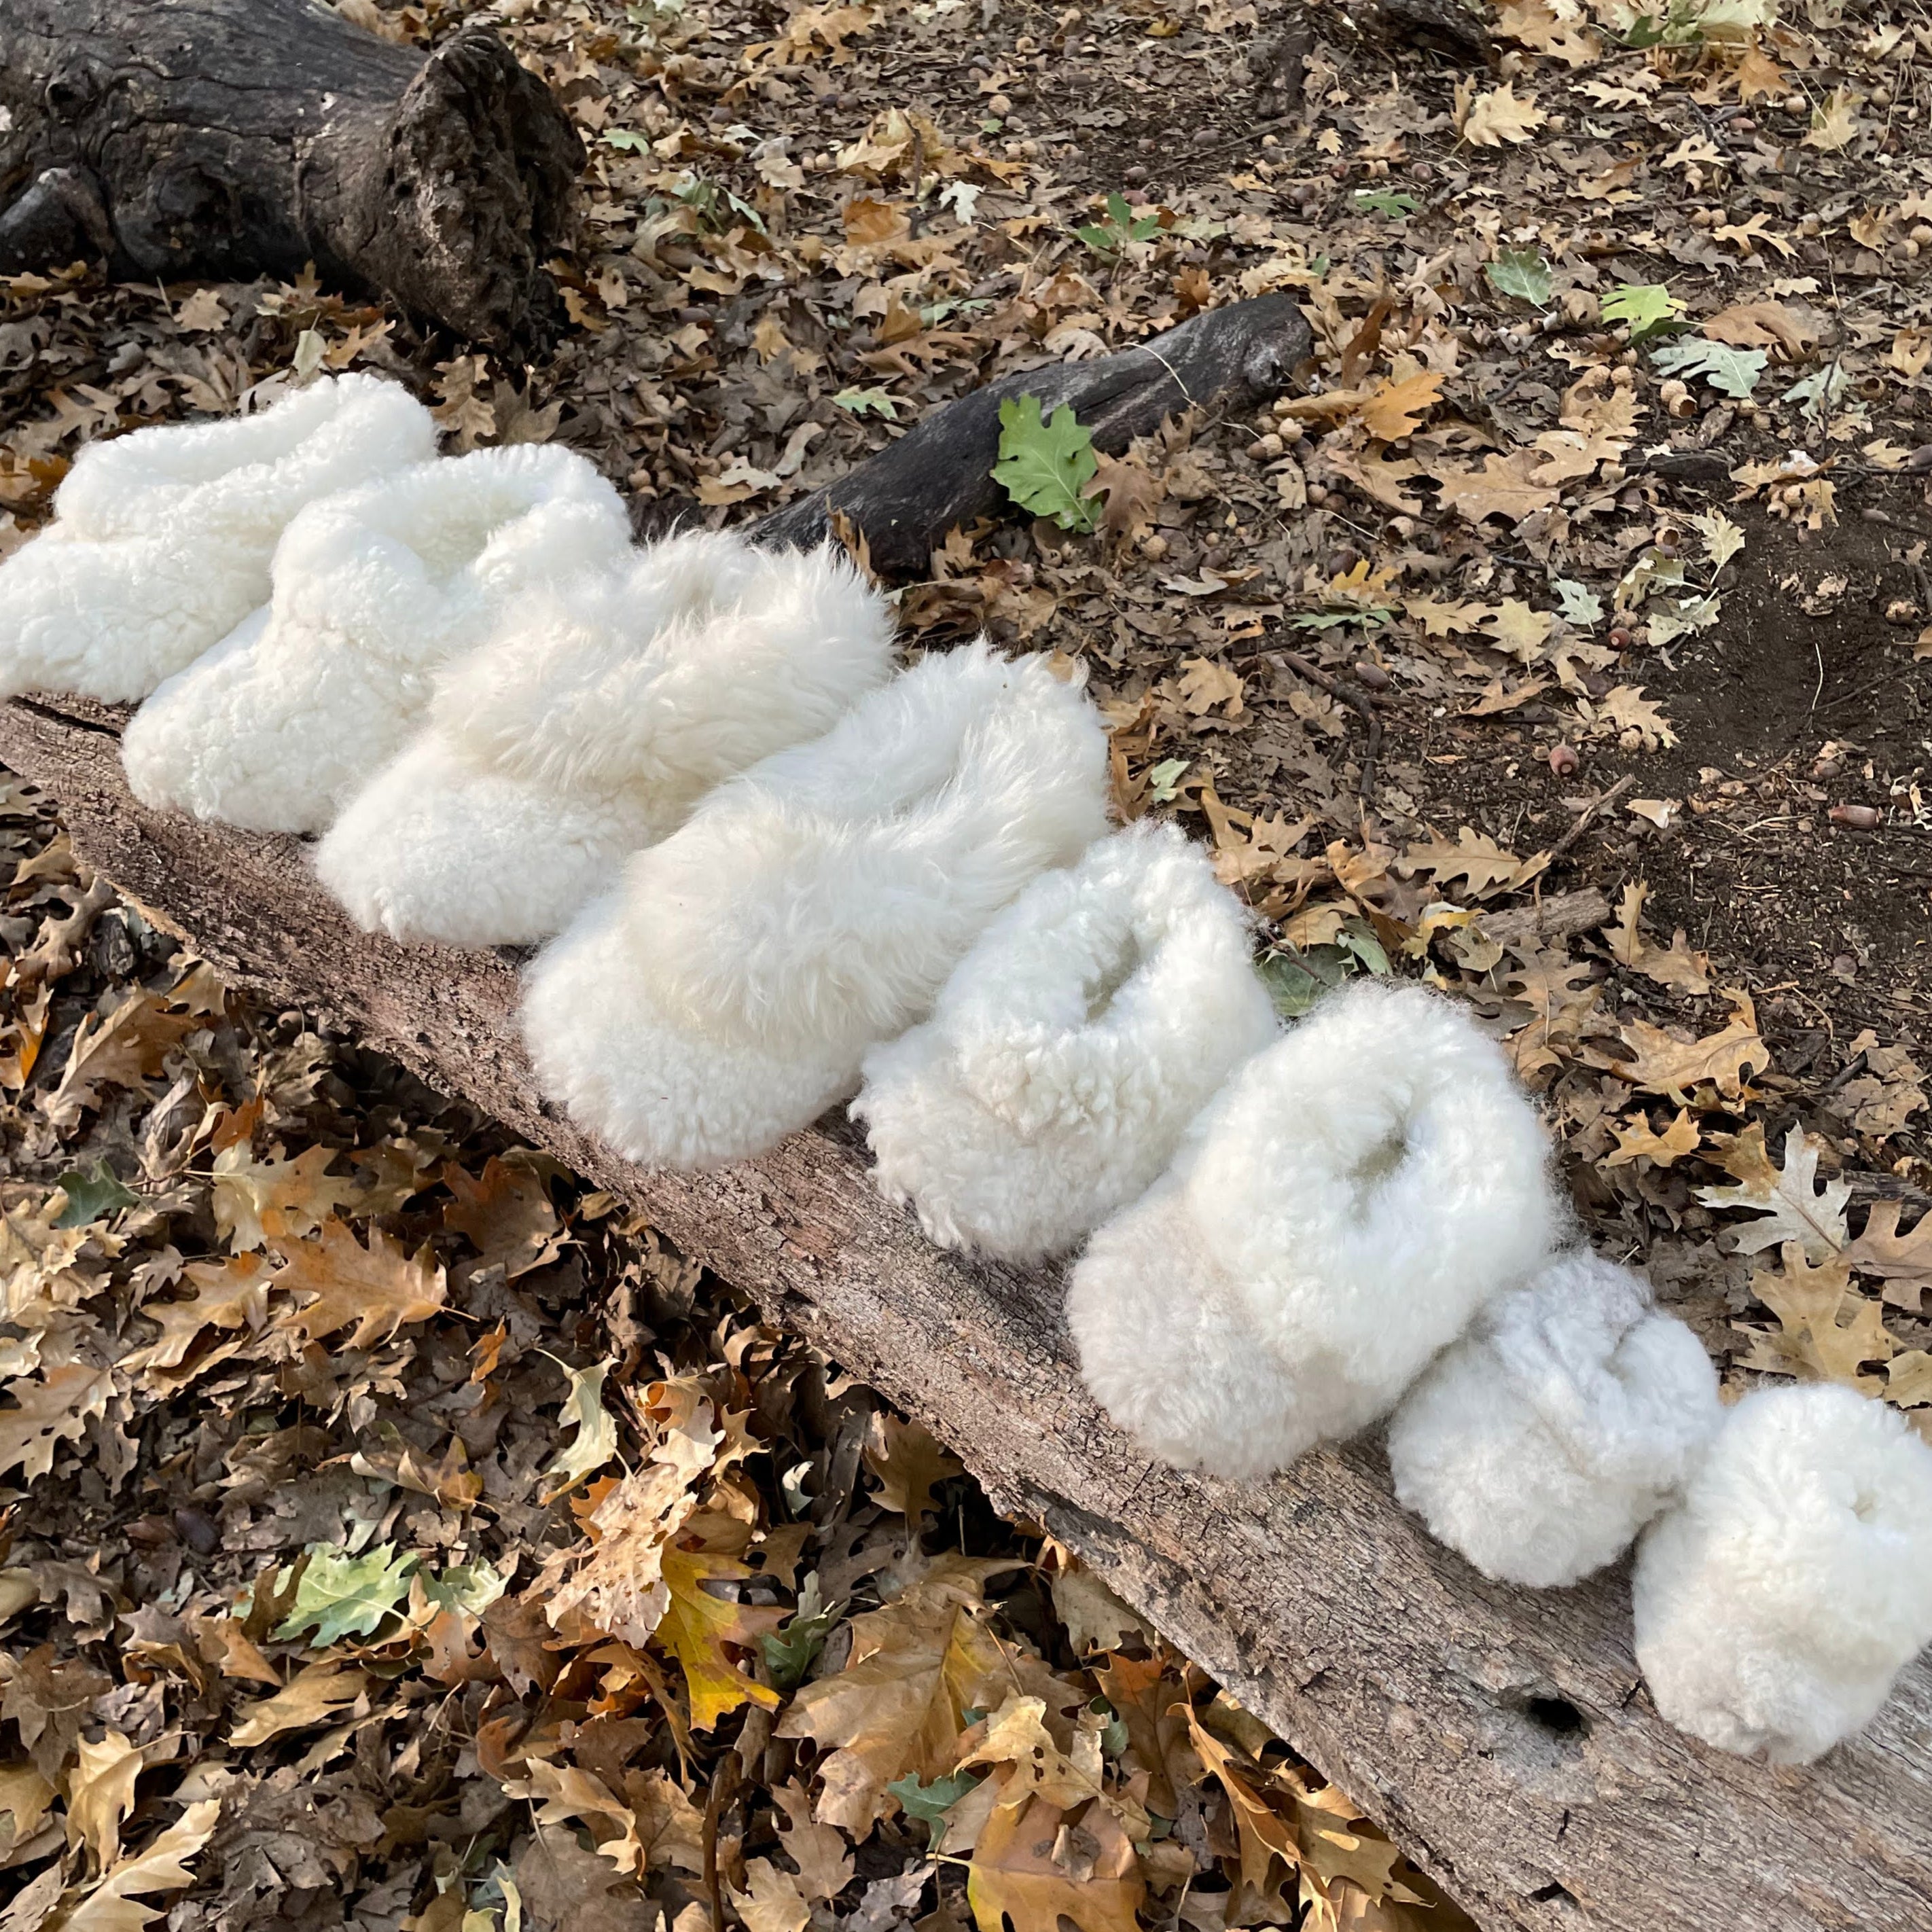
pixel 378 1288
pixel 1794 1207
pixel 1498 116
pixel 1903 1262
pixel 1665 1064
pixel 114 1904
pixel 99 1795
pixel 507 1214
pixel 824 1859
pixel 1762 325
pixel 1637 1138
pixel 130 1046
pixel 1035 1865
pixel 909 1464
pixel 259 1202
pixel 49 1410
pixel 1827 1331
pixel 1396 409
pixel 1888 1092
pixel 1205 684
pixel 1506 486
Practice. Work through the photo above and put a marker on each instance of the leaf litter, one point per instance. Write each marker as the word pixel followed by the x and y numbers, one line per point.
pixel 1609 466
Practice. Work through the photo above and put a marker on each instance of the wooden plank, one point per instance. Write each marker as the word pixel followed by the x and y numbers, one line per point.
pixel 1502 1736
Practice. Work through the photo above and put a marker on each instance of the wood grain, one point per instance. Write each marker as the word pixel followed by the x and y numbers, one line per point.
pixel 1502 1736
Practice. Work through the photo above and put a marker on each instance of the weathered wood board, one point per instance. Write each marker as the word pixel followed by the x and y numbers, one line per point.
pixel 1502 1736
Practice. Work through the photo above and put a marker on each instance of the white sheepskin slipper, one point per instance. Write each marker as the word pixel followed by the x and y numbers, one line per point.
pixel 724 996
pixel 1570 1415
pixel 1092 1021
pixel 1775 1607
pixel 1334 1216
pixel 600 715
pixel 161 538
pixel 374 591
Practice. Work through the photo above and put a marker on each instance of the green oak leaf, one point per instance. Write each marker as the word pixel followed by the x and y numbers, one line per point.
pixel 1733 371
pixel 339 1595
pixel 1045 465
pixel 93 1194
pixel 1523 273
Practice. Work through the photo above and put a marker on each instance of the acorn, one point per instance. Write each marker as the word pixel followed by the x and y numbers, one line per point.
pixel 1563 760
pixel 1857 817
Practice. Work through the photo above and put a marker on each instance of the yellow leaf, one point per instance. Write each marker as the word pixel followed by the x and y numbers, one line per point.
pixel 696 1627
pixel 1498 116
pixel 1396 410
pixel 1025 1868
pixel 378 1288
pixel 1638 1138
pixel 1016 1734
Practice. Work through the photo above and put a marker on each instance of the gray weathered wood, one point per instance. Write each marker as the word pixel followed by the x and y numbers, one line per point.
pixel 939 474
pixel 1502 1736
pixel 238 138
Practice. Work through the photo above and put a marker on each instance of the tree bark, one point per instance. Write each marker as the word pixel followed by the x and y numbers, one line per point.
pixel 938 475
pixel 238 138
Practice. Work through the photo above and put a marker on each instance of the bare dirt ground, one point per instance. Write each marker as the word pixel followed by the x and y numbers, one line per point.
pixel 1612 466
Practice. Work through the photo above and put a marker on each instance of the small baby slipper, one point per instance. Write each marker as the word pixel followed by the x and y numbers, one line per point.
pixel 161 538
pixel 1775 1606
pixel 374 591
pixel 1090 1022
pixel 1335 1216
pixel 601 712
pixel 724 994
pixel 1571 1413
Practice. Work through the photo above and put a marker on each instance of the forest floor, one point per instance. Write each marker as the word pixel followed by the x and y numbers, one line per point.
pixel 402 1536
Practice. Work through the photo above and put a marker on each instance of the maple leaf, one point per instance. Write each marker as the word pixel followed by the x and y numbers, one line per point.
pixel 1506 486
pixel 1665 1064
pixel 1498 116
pixel 915 1667
pixel 697 1626
pixel 1396 410
pixel 1827 1330
pixel 114 1904
pixel 378 1288
pixel 315 1693
pixel 1903 1262
pixel 910 1465
pixel 49 1410
pixel 1638 1138
pixel 1015 1874
pixel 256 1202
pixel 1795 1208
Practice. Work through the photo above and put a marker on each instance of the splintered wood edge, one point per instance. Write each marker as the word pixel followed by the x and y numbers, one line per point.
pixel 1503 1737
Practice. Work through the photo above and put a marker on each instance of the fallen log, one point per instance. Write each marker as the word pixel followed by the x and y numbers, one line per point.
pixel 238 138
pixel 938 475
pixel 1502 1737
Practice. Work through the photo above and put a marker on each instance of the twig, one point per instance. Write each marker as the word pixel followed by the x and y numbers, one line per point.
pixel 1343 694
pixel 723 1789
pixel 1590 812
pixel 1849 1071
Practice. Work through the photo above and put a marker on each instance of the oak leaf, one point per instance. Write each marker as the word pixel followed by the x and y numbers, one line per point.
pixel 315 1693
pixel 378 1288
pixel 1396 409
pixel 1498 116
pixel 909 1464
pixel 506 1213
pixel 114 1904
pixel 259 1202
pixel 1637 1138
pixel 701 1629
pixel 1827 1330
pixel 772 1901
pixel 1903 1262
pixel 1665 1064
pixel 1023 1870
pixel 130 1046
pixel 99 1795
pixel 49 1410
pixel 1474 857
pixel 1506 486
pixel 823 1860
pixel 1795 1207
pixel 1205 684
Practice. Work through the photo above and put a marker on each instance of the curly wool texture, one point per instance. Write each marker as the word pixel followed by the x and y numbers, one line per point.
pixel 1335 1216
pixel 724 996
pixel 1570 1415
pixel 1091 1022
pixel 1777 1604
pixel 589 728
pixel 374 591
pixel 162 538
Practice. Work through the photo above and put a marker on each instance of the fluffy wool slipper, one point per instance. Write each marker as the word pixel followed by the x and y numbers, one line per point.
pixel 588 728
pixel 374 591
pixel 1334 1216
pixel 161 538
pixel 1775 1607
pixel 1570 1415
pixel 724 994
pixel 1094 1018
